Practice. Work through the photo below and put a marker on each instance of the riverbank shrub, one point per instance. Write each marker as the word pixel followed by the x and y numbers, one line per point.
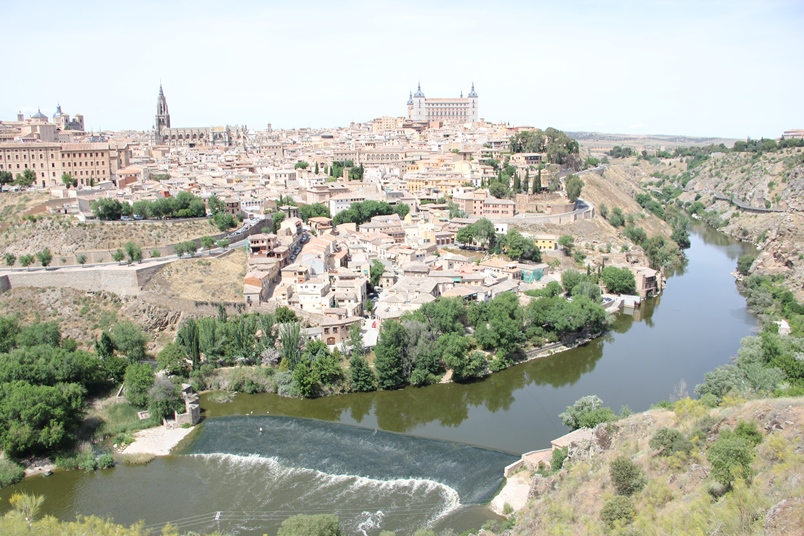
pixel 587 412
pixel 10 472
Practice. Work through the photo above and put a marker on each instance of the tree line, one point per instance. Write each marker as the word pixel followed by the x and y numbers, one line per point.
pixel 363 211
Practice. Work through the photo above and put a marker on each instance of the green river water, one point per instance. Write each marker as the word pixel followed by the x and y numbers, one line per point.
pixel 416 457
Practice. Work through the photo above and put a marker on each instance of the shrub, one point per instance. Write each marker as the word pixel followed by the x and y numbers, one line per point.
pixel 731 457
pixel 626 476
pixel 105 461
pixel 749 432
pixel 10 472
pixel 617 511
pixel 586 412
pixel 670 441
pixel 557 459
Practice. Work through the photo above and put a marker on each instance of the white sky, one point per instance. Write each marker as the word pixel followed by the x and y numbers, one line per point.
pixel 708 68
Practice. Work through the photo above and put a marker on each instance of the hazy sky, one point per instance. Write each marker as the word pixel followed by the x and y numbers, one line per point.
pixel 698 67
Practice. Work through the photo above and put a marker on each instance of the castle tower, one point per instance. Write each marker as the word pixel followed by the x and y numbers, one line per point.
pixel 162 117
pixel 410 106
pixel 419 112
pixel 474 114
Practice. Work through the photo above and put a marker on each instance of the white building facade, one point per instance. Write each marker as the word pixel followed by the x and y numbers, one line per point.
pixel 450 110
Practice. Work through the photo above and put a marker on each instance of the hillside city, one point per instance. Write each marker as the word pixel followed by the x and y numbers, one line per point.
pixel 151 277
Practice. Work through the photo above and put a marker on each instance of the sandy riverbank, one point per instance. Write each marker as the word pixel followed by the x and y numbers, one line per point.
pixel 514 493
pixel 157 441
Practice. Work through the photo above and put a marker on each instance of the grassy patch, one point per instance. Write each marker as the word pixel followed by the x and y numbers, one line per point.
pixel 120 418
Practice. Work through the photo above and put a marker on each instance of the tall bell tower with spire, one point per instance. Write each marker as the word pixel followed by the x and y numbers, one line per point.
pixel 162 116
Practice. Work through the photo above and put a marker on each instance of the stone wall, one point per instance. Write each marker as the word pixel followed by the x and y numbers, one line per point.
pixel 121 280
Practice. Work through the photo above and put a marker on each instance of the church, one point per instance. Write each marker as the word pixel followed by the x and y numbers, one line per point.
pixel 164 134
pixel 447 110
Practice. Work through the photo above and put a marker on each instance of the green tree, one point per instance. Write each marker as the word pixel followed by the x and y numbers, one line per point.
pixel 301 164
pixel 618 280
pixel 499 190
pixel 216 204
pixel 68 180
pixel 617 218
pixel 355 340
pixel 138 381
pixel 518 247
pixel 207 242
pixel 163 399
pixel 107 209
pixel 134 251
pixel 363 378
pixel 375 272
pixel 129 340
pixel 587 412
pixel 223 243
pixel 119 255
pixel 390 353
pixel 6 177
pixel 81 259
pixel 104 346
pixel 44 257
pixel 310 525
pixel 744 263
pixel 27 178
pixel 618 510
pixel 10 259
pixel 187 338
pixel 26 260
pixel 291 348
pixel 731 457
pixel 304 379
pixel 567 242
pixel 314 210
pixel 316 168
pixel 38 418
pixel 572 278
pixel 276 220
pixel 588 289
pixel 283 315
pixel 573 185
pixel 190 247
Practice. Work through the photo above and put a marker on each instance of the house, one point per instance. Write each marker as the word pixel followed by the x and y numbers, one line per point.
pixel 531 273
pixel 335 325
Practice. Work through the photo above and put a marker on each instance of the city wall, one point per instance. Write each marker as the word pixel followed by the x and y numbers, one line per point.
pixel 121 280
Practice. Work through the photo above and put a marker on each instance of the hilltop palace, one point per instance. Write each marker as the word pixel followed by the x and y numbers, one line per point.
pixel 165 135
pixel 452 110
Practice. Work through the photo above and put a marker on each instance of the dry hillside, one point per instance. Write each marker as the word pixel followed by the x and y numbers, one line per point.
pixel 616 189
pixel 680 495
pixel 202 279
pixel 774 180
pixel 64 235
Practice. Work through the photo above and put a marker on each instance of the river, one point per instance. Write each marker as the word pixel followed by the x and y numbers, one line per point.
pixel 432 456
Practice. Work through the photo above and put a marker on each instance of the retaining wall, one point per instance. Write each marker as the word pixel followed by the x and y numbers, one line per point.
pixel 121 280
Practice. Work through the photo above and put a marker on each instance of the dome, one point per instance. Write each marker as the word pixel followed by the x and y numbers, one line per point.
pixel 39 115
pixel 419 93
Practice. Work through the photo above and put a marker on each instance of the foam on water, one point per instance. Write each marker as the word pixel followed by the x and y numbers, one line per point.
pixel 393 502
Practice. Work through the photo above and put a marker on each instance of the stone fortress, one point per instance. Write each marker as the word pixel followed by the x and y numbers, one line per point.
pixel 450 110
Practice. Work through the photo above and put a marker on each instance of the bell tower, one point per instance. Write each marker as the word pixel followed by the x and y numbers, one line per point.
pixel 162 116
